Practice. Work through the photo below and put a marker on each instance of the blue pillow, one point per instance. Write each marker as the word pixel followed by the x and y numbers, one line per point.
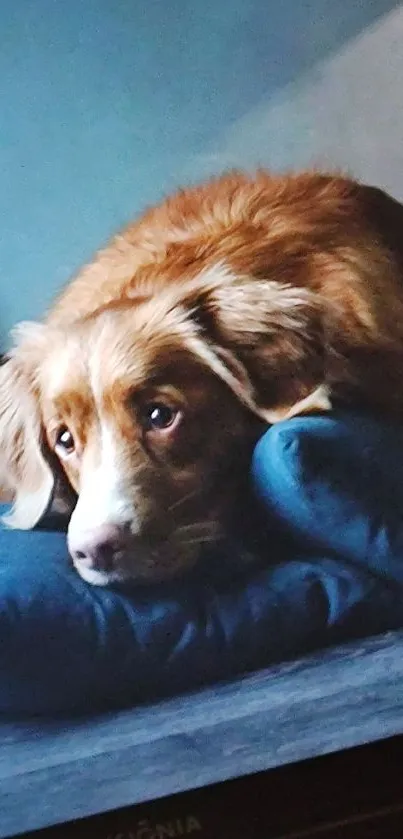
pixel 330 490
pixel 336 484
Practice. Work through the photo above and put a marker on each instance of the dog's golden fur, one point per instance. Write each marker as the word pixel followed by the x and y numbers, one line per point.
pixel 248 299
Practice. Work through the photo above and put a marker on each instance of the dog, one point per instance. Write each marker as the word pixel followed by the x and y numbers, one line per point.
pixel 227 307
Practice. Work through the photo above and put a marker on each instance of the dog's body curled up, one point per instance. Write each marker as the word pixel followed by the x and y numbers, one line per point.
pixel 229 305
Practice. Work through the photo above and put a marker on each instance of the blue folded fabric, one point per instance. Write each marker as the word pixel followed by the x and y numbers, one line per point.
pixel 331 490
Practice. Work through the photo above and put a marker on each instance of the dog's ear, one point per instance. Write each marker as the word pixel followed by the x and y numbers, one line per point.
pixel 29 473
pixel 270 338
pixel 24 470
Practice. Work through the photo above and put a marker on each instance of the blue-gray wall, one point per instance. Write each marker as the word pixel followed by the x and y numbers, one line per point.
pixel 107 104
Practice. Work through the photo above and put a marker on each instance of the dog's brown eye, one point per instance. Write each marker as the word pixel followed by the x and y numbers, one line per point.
pixel 159 416
pixel 64 443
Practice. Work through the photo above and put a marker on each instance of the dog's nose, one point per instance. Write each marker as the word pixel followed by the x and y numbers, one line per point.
pixel 97 549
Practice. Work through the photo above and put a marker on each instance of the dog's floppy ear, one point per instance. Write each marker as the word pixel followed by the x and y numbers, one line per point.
pixel 28 471
pixel 24 471
pixel 270 337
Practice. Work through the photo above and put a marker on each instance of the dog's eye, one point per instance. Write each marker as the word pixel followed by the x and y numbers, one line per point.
pixel 158 416
pixel 64 443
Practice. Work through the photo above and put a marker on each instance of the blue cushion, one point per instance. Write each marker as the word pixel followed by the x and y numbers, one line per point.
pixel 331 490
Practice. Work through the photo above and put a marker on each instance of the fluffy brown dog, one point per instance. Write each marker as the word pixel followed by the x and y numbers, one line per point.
pixel 231 304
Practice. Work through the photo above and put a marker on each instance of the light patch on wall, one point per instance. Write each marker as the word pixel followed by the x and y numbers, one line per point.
pixel 345 114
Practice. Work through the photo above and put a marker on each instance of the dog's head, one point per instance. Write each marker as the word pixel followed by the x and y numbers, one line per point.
pixel 150 409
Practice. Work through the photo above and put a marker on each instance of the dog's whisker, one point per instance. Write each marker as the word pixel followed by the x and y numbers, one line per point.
pixel 198 533
pixel 198 527
pixel 201 540
pixel 183 500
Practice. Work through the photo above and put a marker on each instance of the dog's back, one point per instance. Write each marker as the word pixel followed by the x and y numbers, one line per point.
pixel 262 226
pixel 326 234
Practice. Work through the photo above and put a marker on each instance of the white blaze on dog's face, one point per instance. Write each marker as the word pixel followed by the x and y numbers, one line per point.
pixel 153 442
